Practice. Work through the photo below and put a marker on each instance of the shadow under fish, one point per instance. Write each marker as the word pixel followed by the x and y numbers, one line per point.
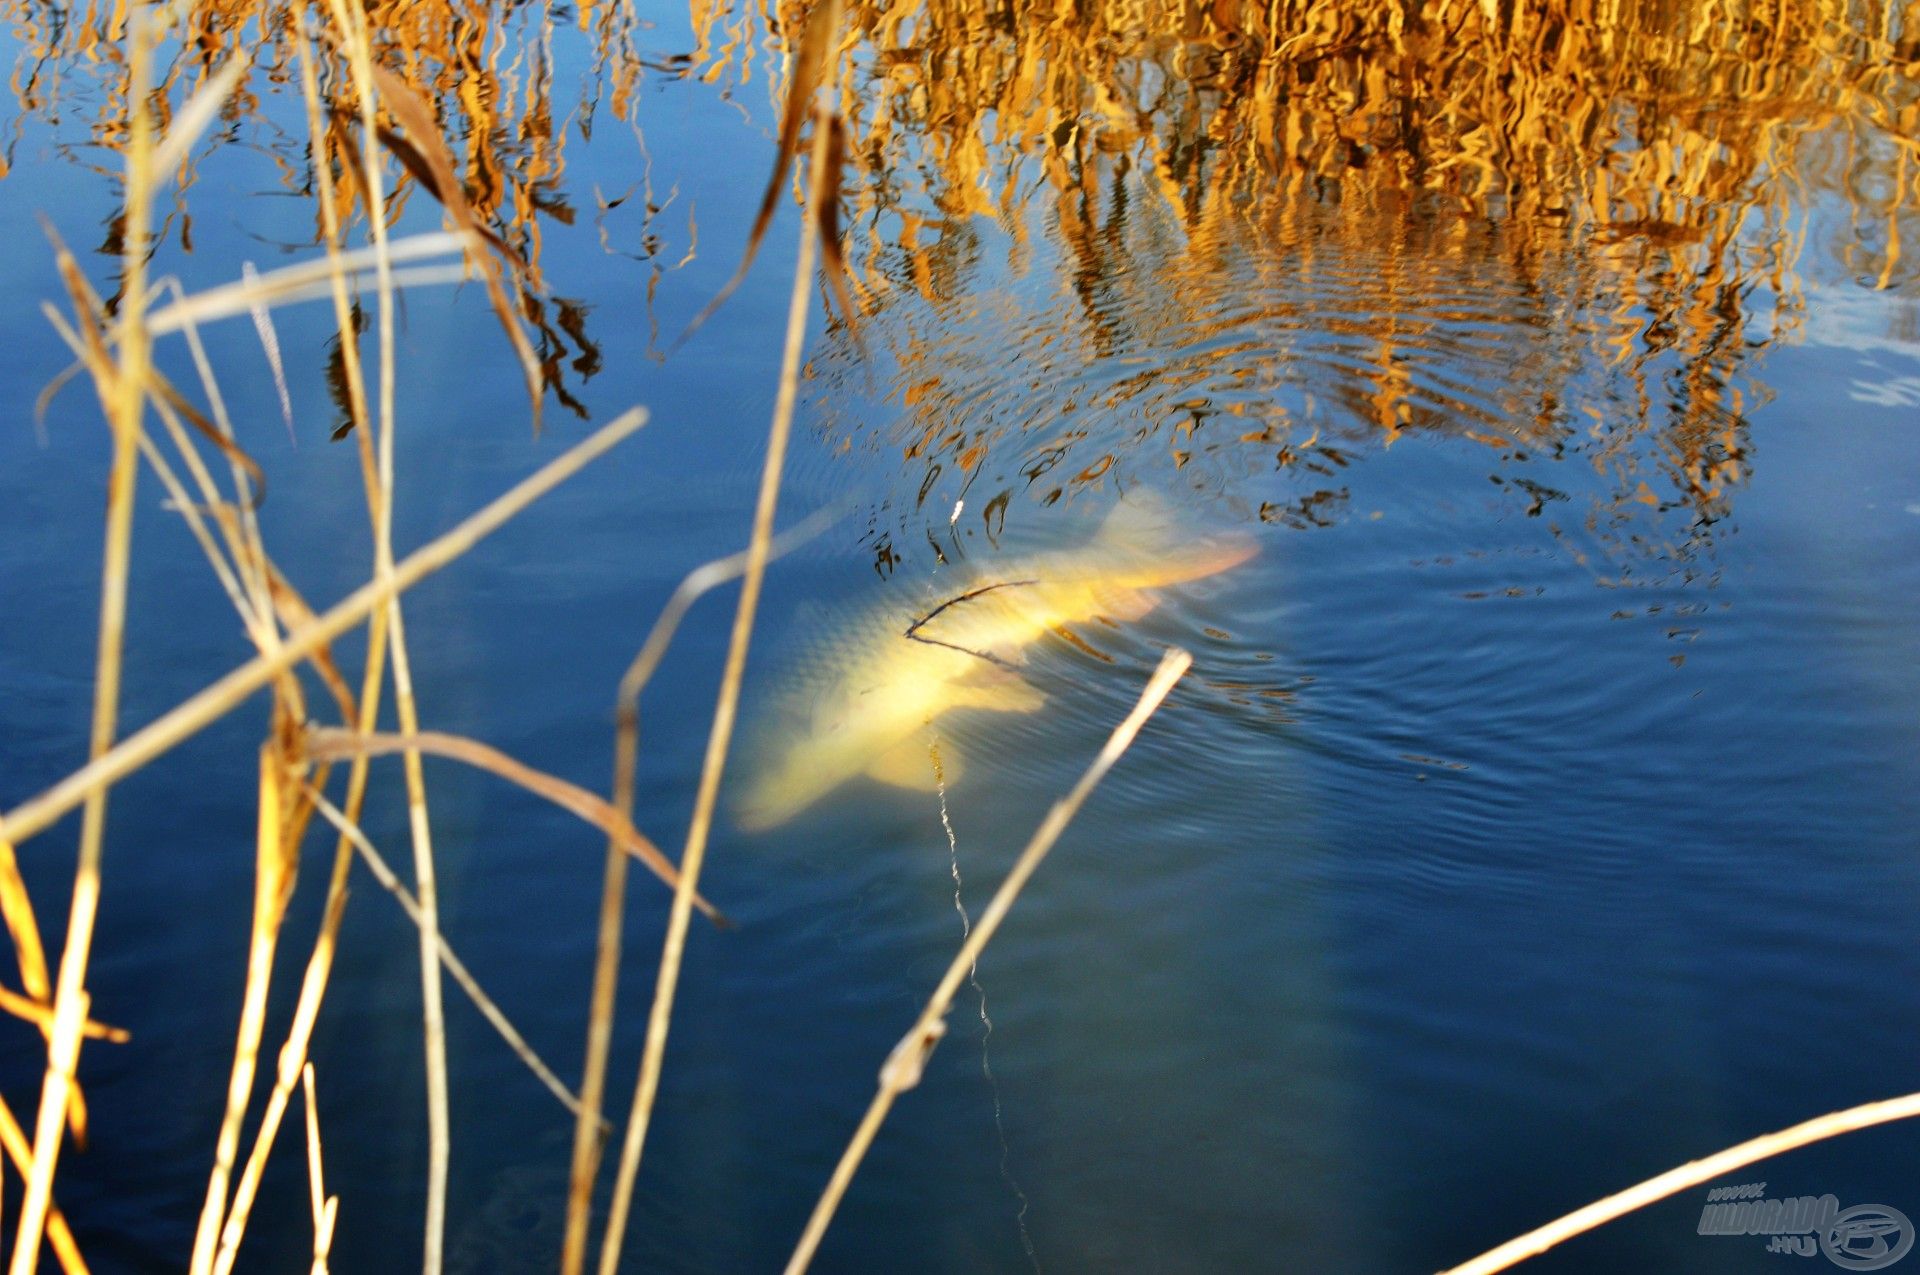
pixel 866 708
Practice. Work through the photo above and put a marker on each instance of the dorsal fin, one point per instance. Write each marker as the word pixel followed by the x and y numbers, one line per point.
pixel 1141 521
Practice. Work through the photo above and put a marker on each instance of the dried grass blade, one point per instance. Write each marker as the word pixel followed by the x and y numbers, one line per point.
pixel 833 258
pixel 215 701
pixel 163 390
pixel 41 1015
pixel 325 744
pixel 14 1139
pixel 270 343
pixel 489 1009
pixel 428 149
pixel 22 925
pixel 296 614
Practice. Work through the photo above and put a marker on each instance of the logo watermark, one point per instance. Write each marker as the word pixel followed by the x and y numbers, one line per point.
pixel 1866 1237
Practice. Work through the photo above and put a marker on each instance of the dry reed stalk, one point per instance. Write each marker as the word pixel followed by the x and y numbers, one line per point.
pixel 292 1058
pixel 323 1242
pixel 14 1139
pixel 377 864
pixel 355 33
pixel 606 968
pixel 293 1053
pixel 904 1065
pixel 316 1175
pixel 273 885
pixel 210 704
pixel 588 806
pixel 41 1014
pixel 821 182
pixel 1693 1173
pixel 128 395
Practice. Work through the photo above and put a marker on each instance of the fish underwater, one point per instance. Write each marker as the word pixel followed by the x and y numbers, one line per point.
pixel 867 707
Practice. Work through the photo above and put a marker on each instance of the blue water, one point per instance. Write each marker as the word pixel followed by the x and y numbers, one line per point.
pixel 1515 837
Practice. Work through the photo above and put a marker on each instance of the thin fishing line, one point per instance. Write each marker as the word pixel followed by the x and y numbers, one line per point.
pixel 986 1023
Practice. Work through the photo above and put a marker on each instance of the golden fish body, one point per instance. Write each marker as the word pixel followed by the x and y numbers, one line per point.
pixel 896 673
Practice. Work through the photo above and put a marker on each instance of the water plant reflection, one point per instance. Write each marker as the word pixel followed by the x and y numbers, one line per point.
pixel 1562 230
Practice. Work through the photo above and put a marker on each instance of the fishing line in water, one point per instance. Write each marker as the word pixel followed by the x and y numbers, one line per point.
pixel 986 1023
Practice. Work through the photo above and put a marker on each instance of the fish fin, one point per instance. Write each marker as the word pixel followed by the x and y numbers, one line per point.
pixel 1126 604
pixel 909 764
pixel 1002 692
pixel 1140 520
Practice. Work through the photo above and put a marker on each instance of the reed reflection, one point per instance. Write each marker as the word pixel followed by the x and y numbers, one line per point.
pixel 1282 238
pixel 485 77
pixel 1468 179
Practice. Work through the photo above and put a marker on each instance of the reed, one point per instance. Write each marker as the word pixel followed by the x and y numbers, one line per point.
pixel 124 396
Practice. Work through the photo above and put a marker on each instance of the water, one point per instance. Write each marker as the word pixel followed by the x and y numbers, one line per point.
pixel 1540 813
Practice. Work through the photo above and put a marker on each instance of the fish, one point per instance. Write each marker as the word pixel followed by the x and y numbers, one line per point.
pixel 867 707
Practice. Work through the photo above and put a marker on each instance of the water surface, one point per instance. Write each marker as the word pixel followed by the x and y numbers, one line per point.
pixel 1540 813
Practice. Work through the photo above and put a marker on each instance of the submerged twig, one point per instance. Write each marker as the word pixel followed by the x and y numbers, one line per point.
pixel 913 629
pixel 908 1059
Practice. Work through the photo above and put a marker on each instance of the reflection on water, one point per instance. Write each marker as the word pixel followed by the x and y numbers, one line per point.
pixel 1704 158
pixel 1288 236
pixel 1255 365
pixel 1457 886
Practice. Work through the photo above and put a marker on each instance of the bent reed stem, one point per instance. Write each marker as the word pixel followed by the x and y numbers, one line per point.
pixel 667 982
pixel 589 1126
